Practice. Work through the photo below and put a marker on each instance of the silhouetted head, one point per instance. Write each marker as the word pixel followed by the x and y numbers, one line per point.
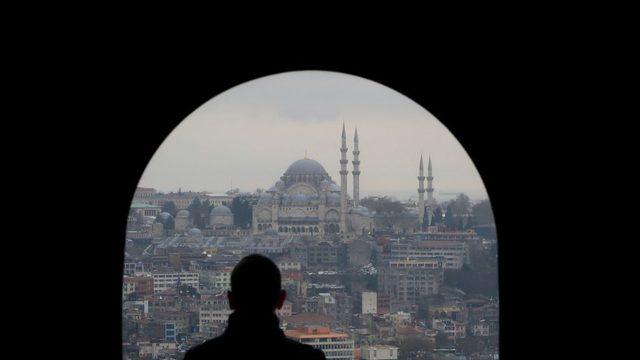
pixel 256 285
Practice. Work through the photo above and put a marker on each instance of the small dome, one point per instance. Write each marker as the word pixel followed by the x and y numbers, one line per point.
pixel 334 187
pixel 221 210
pixel 333 198
pixel 194 232
pixel 163 216
pixel 306 167
pixel 182 214
pixel 325 184
pixel 270 232
pixel 360 210
pixel 279 185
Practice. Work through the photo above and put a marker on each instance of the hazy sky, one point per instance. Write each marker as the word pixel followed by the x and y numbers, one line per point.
pixel 250 134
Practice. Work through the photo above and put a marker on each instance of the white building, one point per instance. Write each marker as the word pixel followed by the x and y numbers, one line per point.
pixel 212 316
pixel 369 302
pixel 379 352
pixel 165 281
pixel 154 350
pixel 334 345
pixel 453 253
pixel 288 264
pixel 222 279
pixel 453 329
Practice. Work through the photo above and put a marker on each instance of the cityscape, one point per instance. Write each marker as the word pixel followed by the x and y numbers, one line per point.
pixel 367 277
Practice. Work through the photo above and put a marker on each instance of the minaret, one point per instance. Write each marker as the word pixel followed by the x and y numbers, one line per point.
pixel 343 182
pixel 421 195
pixel 430 199
pixel 356 171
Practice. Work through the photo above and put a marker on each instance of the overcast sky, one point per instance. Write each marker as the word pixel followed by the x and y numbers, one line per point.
pixel 248 136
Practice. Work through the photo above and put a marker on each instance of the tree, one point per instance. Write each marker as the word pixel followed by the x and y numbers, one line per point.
pixel 170 207
pixel 449 220
pixel 414 348
pixel 471 222
pixel 196 212
pixel 482 212
pixel 437 216
pixel 461 205
pixel 206 210
pixel 389 212
pixel 470 345
pixel 442 340
pixel 242 209
pixel 425 219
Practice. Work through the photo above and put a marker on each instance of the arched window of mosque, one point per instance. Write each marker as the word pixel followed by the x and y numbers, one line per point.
pixel 415 207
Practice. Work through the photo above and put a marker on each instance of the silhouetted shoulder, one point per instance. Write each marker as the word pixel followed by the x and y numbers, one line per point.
pixel 225 348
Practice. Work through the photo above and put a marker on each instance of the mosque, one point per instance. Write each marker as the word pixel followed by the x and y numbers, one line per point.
pixel 305 200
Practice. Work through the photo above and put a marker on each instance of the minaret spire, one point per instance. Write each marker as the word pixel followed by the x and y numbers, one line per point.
pixel 356 171
pixel 343 182
pixel 421 194
pixel 430 199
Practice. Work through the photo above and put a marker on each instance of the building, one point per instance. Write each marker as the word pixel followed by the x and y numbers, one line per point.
pixel 146 209
pixel 222 279
pixel 335 345
pixel 481 328
pixel 287 264
pixel 323 254
pixel 406 281
pixel 369 302
pixel 142 285
pixel 455 312
pixel 220 216
pixel 286 309
pixel 165 281
pixel 305 200
pixel 379 352
pixel 210 318
pixel 453 329
pixel 453 253
pixel 182 221
pixel 155 350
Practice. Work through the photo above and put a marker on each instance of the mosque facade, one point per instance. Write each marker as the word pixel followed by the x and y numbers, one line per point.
pixel 306 200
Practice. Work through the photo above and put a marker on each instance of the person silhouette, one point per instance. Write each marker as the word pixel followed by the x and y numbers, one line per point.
pixel 253 329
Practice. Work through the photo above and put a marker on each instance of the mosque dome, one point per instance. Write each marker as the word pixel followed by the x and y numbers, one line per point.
pixel 325 184
pixel 306 167
pixel 194 232
pixel 221 210
pixel 333 198
pixel 360 210
pixel 182 214
pixel 164 216
pixel 334 187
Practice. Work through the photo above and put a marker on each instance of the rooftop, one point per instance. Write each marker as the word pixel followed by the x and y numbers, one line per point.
pixel 313 332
